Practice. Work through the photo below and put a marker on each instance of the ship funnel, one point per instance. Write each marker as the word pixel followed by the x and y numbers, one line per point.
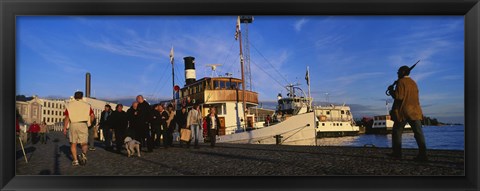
pixel 190 76
pixel 87 85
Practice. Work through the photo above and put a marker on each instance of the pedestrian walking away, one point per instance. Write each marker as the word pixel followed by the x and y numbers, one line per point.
pixel 78 116
pixel 406 109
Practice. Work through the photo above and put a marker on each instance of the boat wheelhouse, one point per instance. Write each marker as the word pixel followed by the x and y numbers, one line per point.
pixel 383 124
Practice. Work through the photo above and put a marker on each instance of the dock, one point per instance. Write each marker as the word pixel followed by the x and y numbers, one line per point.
pixel 54 158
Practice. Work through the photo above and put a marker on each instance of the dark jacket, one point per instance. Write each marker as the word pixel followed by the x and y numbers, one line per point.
pixel 406 105
pixel 103 122
pixel 181 119
pixel 159 119
pixel 118 121
pixel 209 123
pixel 144 113
pixel 132 118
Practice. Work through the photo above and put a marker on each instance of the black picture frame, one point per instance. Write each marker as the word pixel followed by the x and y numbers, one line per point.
pixel 9 9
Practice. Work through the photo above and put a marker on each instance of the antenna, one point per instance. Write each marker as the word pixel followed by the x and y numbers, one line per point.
pixel 214 68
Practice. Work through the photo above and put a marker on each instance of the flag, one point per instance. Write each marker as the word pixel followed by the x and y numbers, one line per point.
pixel 237 31
pixel 171 55
pixel 307 77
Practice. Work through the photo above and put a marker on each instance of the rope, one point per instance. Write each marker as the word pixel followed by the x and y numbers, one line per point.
pixel 278 72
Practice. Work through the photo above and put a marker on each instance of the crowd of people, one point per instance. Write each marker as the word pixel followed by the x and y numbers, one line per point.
pixel 153 126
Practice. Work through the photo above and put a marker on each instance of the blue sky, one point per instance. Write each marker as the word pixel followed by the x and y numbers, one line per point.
pixel 352 59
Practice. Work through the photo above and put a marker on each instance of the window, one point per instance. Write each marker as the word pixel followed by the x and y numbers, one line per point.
pixel 222 84
pixel 328 112
pixel 48 112
pixel 343 112
pixel 48 120
pixel 44 112
pixel 341 124
pixel 43 118
pixel 323 124
pixel 228 85
pixel 44 104
pixel 216 85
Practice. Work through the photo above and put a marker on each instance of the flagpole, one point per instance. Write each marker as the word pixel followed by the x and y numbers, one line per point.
pixel 173 76
pixel 308 83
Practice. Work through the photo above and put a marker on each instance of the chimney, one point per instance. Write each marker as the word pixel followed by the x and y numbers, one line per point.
pixel 87 85
pixel 190 76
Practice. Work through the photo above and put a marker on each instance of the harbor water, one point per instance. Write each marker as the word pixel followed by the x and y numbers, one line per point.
pixel 436 137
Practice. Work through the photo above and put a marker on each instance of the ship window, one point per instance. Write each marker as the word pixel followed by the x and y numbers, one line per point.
pixel 343 112
pixel 383 123
pixel 348 112
pixel 239 85
pixel 328 112
pixel 216 85
pixel 222 84
pixel 341 124
pixel 323 124
pixel 228 85
pixel 334 124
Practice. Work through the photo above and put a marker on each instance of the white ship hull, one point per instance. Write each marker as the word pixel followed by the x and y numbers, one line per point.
pixel 335 121
pixel 296 130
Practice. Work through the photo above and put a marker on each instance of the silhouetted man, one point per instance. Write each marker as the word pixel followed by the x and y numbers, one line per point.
pixel 406 109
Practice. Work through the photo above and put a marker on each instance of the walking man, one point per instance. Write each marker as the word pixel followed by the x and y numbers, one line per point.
pixel 194 120
pixel 78 114
pixel 406 109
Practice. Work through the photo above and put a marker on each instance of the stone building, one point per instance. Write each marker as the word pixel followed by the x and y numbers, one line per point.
pixel 52 110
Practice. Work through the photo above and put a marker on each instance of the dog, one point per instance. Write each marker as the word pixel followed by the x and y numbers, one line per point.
pixel 131 145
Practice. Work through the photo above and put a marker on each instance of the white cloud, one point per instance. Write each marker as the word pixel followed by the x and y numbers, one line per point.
pixel 299 24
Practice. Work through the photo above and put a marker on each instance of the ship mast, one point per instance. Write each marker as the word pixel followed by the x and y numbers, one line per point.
pixel 243 74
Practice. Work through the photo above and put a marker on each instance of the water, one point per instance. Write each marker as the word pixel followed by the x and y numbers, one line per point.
pixel 436 137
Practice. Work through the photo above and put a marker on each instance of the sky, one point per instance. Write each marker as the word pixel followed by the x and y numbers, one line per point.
pixel 352 59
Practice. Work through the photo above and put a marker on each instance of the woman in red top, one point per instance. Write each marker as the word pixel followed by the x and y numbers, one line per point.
pixel 34 129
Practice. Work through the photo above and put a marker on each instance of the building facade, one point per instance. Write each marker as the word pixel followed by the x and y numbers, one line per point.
pixel 51 111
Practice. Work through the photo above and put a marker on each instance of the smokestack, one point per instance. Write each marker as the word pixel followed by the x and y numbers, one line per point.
pixel 190 76
pixel 87 85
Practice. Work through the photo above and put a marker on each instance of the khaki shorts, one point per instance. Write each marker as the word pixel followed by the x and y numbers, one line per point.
pixel 78 133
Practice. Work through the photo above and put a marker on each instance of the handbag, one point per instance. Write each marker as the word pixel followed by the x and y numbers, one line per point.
pixel 185 135
pixel 95 132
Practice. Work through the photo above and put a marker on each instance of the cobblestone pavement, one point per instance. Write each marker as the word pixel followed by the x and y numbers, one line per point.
pixel 54 158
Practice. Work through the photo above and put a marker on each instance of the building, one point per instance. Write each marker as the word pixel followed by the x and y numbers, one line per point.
pixel 30 108
pixel 52 110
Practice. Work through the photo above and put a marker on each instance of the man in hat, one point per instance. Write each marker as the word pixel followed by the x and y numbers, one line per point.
pixel 406 109
pixel 79 115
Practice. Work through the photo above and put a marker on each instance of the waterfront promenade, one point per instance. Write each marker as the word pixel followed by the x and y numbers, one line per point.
pixel 54 158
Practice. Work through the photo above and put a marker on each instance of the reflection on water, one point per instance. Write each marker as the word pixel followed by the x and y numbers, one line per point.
pixel 437 137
